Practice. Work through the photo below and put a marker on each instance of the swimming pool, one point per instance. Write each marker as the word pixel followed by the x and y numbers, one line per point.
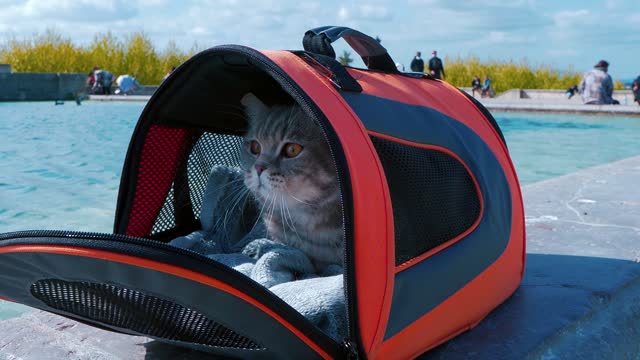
pixel 61 165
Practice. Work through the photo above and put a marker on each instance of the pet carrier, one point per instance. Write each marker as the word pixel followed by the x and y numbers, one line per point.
pixel 432 212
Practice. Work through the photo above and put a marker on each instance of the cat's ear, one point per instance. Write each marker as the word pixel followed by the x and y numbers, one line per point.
pixel 254 106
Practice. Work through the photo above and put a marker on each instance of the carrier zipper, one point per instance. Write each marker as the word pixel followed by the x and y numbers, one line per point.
pixel 114 237
pixel 307 104
pixel 351 350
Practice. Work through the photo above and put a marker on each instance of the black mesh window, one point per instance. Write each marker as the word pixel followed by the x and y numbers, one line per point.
pixel 145 314
pixel 433 196
pixel 209 150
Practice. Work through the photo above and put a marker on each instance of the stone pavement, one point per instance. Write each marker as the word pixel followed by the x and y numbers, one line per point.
pixel 580 297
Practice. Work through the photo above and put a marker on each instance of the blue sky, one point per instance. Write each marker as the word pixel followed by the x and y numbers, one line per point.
pixel 567 34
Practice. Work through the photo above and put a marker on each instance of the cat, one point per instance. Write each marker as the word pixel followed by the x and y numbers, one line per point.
pixel 290 171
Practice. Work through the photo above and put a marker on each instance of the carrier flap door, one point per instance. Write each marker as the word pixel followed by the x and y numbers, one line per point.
pixel 173 296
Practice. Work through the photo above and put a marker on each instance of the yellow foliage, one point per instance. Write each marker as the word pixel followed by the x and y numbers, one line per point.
pixel 51 52
pixel 137 56
pixel 507 75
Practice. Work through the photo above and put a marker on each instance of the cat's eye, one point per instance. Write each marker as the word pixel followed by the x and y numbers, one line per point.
pixel 255 147
pixel 291 150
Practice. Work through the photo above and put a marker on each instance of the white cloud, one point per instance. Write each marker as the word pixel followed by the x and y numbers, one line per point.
pixel 373 12
pixel 562 31
pixel 343 13
pixel 633 20
pixel 572 18
pixel 79 10
pixel 199 30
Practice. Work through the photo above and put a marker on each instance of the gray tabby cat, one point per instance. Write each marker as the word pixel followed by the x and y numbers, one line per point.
pixel 290 171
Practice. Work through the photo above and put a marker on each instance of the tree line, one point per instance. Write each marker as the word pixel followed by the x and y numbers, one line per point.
pixel 136 55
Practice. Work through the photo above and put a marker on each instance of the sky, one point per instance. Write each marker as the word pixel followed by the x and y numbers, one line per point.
pixel 566 35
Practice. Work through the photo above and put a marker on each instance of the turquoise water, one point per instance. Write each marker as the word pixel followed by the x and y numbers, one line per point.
pixel 61 165
pixel 543 146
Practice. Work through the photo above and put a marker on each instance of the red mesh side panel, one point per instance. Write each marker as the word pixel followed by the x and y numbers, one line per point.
pixel 163 148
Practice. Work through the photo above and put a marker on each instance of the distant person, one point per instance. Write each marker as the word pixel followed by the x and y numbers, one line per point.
pixel 127 84
pixel 486 87
pixel 571 91
pixel 91 78
pixel 417 64
pixel 435 66
pixel 104 81
pixel 596 86
pixel 635 87
pixel 173 68
pixel 475 85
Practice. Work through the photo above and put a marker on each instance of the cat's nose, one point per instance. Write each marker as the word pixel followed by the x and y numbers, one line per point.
pixel 260 169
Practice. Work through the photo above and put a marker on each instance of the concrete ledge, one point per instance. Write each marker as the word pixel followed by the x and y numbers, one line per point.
pixel 138 98
pixel 498 104
pixel 495 104
pixel 579 299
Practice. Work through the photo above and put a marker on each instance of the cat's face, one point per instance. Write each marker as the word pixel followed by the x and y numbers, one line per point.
pixel 285 156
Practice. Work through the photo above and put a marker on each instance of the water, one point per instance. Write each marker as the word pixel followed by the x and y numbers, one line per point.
pixel 543 146
pixel 61 165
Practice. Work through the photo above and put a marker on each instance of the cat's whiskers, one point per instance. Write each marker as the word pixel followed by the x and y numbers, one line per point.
pixel 293 225
pixel 235 203
pixel 298 200
pixel 229 183
pixel 237 194
pixel 210 191
pixel 259 218
pixel 284 225
pixel 273 206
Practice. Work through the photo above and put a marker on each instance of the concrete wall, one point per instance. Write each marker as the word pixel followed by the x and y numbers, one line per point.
pixel 553 95
pixel 40 86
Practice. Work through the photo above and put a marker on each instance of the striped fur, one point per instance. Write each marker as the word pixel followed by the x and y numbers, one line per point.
pixel 299 197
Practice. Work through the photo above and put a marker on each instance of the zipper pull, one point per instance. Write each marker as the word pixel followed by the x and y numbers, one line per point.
pixel 351 350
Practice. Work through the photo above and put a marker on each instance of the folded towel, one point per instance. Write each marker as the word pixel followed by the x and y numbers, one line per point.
pixel 236 237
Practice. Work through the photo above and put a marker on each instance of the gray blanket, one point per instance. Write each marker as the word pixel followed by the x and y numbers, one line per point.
pixel 237 238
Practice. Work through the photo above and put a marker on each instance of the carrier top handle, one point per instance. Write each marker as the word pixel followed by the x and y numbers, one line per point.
pixel 373 54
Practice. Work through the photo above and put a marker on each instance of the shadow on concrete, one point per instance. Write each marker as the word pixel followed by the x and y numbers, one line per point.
pixel 157 350
pixel 567 307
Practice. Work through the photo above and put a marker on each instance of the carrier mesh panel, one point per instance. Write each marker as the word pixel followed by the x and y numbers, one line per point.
pixel 145 314
pixel 433 196
pixel 209 150
pixel 166 219
pixel 159 159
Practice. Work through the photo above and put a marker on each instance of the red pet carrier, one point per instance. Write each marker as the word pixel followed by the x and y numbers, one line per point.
pixel 433 214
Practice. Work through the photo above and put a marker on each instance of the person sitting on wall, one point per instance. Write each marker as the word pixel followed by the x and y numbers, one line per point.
pixel 486 88
pixel 596 86
pixel 104 80
pixel 635 87
pixel 475 85
pixel 127 84
pixel 91 79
